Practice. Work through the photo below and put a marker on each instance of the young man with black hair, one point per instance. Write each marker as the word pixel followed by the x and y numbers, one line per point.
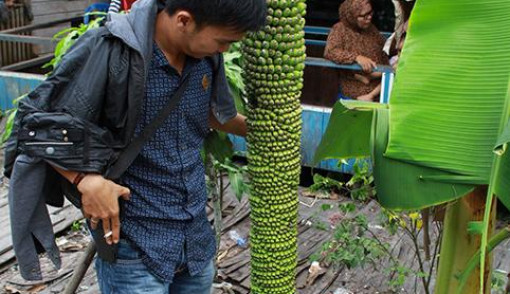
pixel 112 84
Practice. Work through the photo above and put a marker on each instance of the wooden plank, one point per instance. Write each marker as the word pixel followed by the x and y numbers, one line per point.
pixel 229 264
pixel 32 62
pixel 60 7
pixel 241 274
pixel 324 282
pixel 241 212
pixel 38 26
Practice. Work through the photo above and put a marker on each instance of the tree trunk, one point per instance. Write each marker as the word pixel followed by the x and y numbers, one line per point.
pixel 458 246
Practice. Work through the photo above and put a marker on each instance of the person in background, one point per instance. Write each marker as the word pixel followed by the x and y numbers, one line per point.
pixel 354 39
pixel 400 45
pixel 403 9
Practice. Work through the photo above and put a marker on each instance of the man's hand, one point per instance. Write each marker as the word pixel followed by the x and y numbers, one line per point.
pixel 366 63
pixel 236 126
pixel 100 201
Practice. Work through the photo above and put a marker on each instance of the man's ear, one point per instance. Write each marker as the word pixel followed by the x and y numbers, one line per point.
pixel 184 19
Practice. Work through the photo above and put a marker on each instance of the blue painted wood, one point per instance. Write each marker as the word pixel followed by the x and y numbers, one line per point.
pixel 321 62
pixel 315 121
pixel 315 42
pixel 312 132
pixel 3 94
pixel 239 144
pixel 13 85
pixel 314 30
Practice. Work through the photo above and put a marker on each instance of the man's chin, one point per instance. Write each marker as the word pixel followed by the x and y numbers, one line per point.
pixel 201 55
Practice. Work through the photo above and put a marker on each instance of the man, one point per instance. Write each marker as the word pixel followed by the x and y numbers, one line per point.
pixel 113 83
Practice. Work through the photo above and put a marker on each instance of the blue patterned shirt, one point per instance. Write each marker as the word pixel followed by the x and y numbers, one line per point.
pixel 166 212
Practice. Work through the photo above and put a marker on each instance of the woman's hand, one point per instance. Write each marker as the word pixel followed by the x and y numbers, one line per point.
pixel 366 63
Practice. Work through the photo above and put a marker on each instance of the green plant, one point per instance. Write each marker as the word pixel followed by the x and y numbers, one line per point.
pixel 10 113
pixel 428 152
pixel 325 184
pixel 233 60
pixel 361 184
pixel 412 224
pixel 77 226
pixel 360 187
pixel 67 37
pixel 399 275
pixel 352 245
pixel 498 282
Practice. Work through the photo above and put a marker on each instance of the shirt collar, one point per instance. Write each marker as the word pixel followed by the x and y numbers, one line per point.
pixel 161 61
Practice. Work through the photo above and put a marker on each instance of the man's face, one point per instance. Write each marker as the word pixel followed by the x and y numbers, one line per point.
pixel 210 40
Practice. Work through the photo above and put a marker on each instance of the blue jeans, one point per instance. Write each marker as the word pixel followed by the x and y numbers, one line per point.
pixel 128 275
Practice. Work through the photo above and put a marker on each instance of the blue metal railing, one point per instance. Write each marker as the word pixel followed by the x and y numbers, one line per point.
pixel 313 30
pixel 324 31
pixel 386 70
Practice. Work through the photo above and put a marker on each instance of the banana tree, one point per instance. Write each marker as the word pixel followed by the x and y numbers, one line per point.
pixel 446 129
pixel 274 75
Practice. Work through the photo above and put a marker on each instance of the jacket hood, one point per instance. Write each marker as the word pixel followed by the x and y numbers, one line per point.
pixel 136 28
pixel 348 12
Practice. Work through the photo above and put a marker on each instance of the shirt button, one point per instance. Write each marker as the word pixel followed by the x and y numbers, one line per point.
pixel 183 147
pixel 50 150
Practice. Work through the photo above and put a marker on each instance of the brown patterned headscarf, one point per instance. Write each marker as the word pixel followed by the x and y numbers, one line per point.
pixel 349 11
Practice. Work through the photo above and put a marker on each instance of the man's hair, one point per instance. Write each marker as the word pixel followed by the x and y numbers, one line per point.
pixel 241 15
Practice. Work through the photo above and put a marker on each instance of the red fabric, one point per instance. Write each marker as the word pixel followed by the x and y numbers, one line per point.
pixel 126 4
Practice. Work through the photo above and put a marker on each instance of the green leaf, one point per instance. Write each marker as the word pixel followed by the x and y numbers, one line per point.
pixel 474 261
pixel 237 183
pixel 445 114
pixel 326 207
pixel 347 134
pixel 8 125
pixel 347 207
pixel 475 227
pixel 402 185
pixel 502 185
pixel 219 145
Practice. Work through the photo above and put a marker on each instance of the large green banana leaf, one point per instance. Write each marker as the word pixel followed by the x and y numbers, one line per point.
pixel 348 131
pixel 402 185
pixel 447 111
pixel 449 93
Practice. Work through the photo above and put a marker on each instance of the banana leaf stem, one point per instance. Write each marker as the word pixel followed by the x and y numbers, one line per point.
pixel 458 245
pixel 474 261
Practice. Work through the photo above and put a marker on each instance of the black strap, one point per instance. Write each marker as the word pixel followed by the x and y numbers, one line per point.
pixel 129 154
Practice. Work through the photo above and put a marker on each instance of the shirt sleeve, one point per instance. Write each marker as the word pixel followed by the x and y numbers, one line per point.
pixel 335 50
pixel 222 101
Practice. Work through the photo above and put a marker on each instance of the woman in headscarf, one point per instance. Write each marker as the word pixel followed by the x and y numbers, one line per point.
pixel 354 39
